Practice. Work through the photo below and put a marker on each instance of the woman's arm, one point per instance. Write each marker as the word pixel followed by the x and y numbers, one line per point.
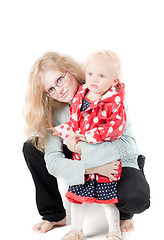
pixel 72 172
pixel 69 171
pixel 107 170
pixel 97 154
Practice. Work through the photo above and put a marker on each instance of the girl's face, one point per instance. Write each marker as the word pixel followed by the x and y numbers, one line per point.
pixel 60 86
pixel 100 75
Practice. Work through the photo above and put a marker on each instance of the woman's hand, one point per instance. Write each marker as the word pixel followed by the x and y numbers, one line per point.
pixel 107 170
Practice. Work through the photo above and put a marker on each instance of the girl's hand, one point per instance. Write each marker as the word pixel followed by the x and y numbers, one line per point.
pixel 107 170
pixel 77 148
pixel 54 131
pixel 80 137
pixel 73 144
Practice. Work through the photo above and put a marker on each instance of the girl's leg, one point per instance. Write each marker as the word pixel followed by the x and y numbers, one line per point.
pixel 113 218
pixel 48 198
pixel 77 215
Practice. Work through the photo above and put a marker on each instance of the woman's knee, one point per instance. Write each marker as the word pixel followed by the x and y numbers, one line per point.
pixel 134 202
pixel 133 191
pixel 138 201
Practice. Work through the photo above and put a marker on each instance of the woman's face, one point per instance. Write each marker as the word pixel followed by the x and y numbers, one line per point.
pixel 61 86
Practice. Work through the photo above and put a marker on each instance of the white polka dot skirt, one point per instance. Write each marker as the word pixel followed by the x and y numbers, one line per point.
pixel 93 192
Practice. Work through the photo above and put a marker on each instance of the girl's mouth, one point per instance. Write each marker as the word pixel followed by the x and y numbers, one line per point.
pixel 94 85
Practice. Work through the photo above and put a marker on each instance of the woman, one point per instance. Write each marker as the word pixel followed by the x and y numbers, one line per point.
pixel 53 82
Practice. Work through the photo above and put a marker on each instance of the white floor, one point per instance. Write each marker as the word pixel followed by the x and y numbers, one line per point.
pixel 95 227
pixel 20 214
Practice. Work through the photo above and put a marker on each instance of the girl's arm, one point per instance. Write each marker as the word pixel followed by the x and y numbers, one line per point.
pixel 111 130
pixel 62 130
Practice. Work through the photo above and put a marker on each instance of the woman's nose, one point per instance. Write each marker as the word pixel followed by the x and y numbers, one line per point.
pixel 59 89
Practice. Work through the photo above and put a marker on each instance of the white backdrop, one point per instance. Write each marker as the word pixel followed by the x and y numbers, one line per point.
pixel 132 29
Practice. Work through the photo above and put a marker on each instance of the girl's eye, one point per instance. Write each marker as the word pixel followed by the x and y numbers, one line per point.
pixel 90 74
pixel 102 76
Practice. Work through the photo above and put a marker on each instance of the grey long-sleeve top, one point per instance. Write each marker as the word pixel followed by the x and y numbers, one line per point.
pixel 92 155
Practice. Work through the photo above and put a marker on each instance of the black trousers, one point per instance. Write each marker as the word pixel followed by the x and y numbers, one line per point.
pixel 133 189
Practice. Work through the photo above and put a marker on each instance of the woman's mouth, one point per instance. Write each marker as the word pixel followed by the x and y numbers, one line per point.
pixel 64 94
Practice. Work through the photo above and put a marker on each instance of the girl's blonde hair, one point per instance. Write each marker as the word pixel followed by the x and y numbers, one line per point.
pixel 108 55
pixel 38 107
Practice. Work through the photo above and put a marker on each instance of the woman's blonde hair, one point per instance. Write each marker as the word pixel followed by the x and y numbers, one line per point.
pixel 108 55
pixel 38 107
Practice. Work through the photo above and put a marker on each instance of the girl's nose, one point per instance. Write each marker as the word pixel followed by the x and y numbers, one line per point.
pixel 95 79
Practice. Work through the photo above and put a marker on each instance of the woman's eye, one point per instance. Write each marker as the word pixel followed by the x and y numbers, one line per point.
pixel 51 89
pixel 60 79
pixel 90 74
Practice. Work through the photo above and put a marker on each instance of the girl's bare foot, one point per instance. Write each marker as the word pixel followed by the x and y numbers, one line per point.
pixel 46 226
pixel 126 225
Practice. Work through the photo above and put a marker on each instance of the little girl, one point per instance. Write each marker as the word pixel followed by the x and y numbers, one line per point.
pixel 97 114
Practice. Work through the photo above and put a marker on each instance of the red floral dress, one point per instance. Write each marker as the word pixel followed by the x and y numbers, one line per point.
pixel 100 120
